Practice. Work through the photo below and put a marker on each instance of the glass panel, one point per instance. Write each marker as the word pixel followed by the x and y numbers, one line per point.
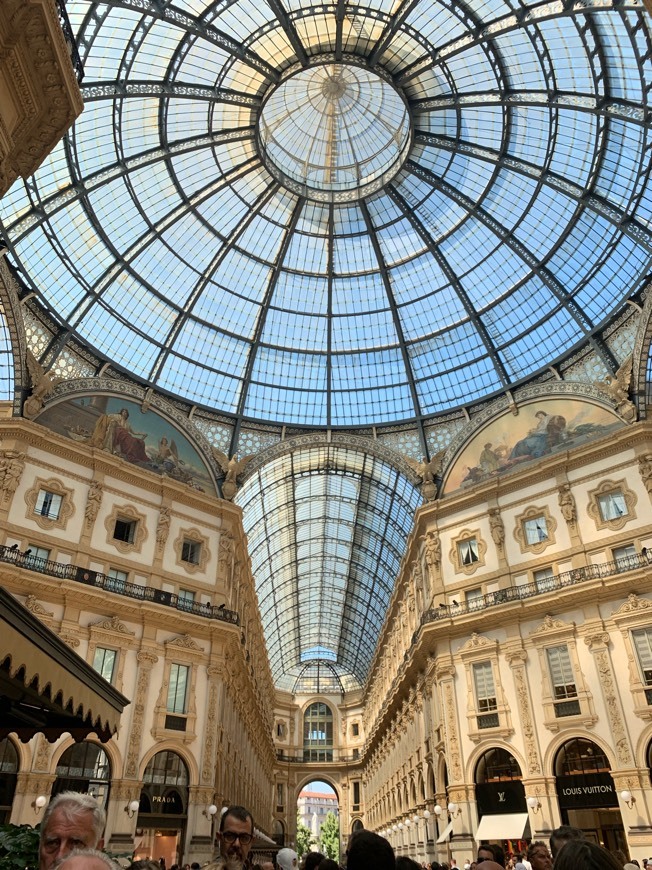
pixel 178 688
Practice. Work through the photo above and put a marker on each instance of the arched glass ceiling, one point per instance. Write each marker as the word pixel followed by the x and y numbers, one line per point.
pixel 327 527
pixel 514 230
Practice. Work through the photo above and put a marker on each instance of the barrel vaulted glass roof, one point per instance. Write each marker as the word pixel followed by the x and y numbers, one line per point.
pixel 327 527
pixel 341 215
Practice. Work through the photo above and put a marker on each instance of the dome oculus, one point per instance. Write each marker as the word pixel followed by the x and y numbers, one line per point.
pixel 334 131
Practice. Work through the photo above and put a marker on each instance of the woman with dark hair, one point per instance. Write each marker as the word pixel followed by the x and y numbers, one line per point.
pixel 584 855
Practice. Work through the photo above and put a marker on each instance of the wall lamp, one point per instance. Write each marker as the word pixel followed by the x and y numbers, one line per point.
pixel 132 808
pixel 453 810
pixel 533 804
pixel 38 803
pixel 210 811
pixel 628 798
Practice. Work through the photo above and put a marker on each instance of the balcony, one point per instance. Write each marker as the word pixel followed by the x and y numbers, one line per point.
pixel 13 556
pixel 532 590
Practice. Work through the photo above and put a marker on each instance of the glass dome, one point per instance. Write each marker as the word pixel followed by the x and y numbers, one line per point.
pixel 344 216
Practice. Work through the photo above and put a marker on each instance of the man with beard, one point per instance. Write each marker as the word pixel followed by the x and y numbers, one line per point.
pixel 235 836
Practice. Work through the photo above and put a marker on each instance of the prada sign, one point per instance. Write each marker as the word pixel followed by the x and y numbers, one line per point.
pixel 588 790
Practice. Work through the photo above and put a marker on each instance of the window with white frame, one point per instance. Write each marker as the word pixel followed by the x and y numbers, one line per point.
pixel 178 688
pixel 485 693
pixel 191 552
pixel 474 598
pixel 612 505
pixel 48 504
pixel 104 662
pixel 535 530
pixel 185 599
pixel 626 556
pixel 38 554
pixel 468 551
pixel 642 638
pixel 125 530
pixel 544 578
pixel 116 580
pixel 563 681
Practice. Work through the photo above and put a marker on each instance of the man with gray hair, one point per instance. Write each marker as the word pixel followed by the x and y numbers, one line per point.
pixel 71 821
pixel 85 859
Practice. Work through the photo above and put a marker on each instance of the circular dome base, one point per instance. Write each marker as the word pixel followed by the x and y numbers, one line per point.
pixel 335 131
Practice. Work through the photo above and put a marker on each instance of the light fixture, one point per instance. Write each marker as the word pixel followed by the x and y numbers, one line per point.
pixel 395 828
pixel 415 818
pixel 38 803
pixel 132 808
pixel 408 823
pixel 454 810
pixel 628 798
pixel 533 803
pixel 438 810
pixel 210 811
pixel 426 814
pixel 400 826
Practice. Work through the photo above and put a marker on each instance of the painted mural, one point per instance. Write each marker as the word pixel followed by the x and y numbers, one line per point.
pixel 541 428
pixel 118 426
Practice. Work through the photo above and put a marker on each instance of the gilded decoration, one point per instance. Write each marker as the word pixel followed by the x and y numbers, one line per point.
pixel 43 384
pixel 535 529
pixel 66 508
pixel 618 516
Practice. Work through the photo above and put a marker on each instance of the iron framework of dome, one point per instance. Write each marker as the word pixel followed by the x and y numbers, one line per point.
pixel 341 216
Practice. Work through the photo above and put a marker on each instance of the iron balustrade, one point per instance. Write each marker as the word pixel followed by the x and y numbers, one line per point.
pixel 99 580
pixel 538 587
pixel 71 42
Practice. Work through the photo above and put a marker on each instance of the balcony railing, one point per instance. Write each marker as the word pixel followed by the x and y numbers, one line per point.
pixel 71 42
pixel 30 562
pixel 539 587
pixel 334 756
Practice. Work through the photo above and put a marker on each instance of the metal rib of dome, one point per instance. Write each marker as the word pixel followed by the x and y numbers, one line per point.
pixel 513 232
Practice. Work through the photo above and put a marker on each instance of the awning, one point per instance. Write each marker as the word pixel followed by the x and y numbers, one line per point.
pixel 45 687
pixel 445 834
pixel 509 826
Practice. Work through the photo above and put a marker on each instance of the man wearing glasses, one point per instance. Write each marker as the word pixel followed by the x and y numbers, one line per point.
pixel 236 835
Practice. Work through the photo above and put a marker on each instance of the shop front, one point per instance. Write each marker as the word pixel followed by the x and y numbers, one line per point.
pixel 501 802
pixel 587 795
pixel 162 815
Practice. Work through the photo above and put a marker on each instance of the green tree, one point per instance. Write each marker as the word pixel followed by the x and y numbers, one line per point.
pixel 304 838
pixel 18 847
pixel 330 837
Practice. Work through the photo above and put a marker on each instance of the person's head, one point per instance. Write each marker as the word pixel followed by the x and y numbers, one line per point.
pixel 85 859
pixel 585 855
pixel 71 821
pixel 491 852
pixel 287 859
pixel 328 864
pixel 313 860
pixel 236 833
pixel 538 854
pixel 490 865
pixel 405 863
pixel 124 413
pixel 266 865
pixel 145 864
pixel 369 851
pixel 563 834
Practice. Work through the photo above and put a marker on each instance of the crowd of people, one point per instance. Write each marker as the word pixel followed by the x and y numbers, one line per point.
pixel 71 838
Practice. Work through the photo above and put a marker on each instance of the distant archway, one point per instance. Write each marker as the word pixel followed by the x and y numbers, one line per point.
pixel 318 818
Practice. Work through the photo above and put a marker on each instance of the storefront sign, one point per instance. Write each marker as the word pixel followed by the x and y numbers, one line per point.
pixel 589 790
pixel 500 797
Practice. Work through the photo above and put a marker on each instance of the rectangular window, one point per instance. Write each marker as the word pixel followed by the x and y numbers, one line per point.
pixel 535 530
pixel 485 693
pixel 37 554
pixel 612 505
pixel 474 599
pixel 116 580
pixel 643 645
pixel 178 688
pixel 104 662
pixel 356 794
pixel 544 579
pixel 355 729
pixel 48 504
pixel 626 556
pixel 191 552
pixel 125 530
pixel 185 599
pixel 563 681
pixel 468 551
pixel 279 797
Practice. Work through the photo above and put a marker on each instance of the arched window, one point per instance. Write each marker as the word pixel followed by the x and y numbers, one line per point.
pixel 356 826
pixel 165 785
pixel 278 832
pixel 84 767
pixel 497 765
pixel 318 733
pixel 8 778
pixel 580 756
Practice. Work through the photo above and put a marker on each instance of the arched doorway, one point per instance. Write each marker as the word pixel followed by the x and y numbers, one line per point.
pixel 586 793
pixel 162 815
pixel 278 833
pixel 84 767
pixel 500 797
pixel 8 778
pixel 318 821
